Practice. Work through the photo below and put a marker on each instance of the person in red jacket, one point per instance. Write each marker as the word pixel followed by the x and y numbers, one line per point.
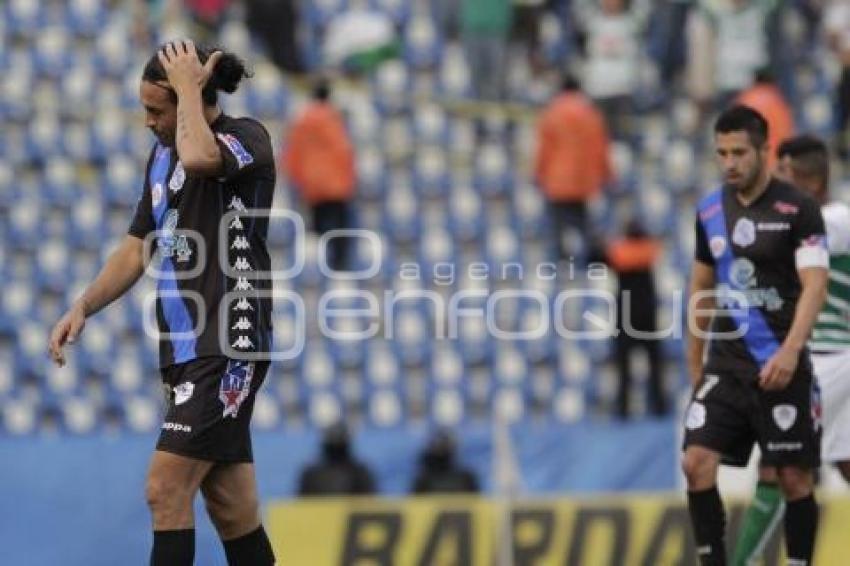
pixel 319 160
pixel 572 163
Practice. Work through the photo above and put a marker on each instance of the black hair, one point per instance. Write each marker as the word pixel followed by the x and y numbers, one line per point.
pixel 226 75
pixel 569 83
pixel 809 154
pixel 764 75
pixel 322 89
pixel 742 118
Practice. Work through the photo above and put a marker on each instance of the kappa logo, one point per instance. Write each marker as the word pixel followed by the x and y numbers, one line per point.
pixel 236 223
pixel 243 157
pixel 242 343
pixel 744 233
pixel 178 177
pixel 183 392
pixel 242 284
pixel 784 416
pixel 242 324
pixel 235 387
pixel 696 416
pixel 236 204
pixel 240 243
pixel 241 264
pixel 717 245
pixel 243 305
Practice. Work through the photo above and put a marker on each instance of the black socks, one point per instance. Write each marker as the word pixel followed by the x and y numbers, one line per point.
pixel 173 548
pixel 253 549
pixel 709 522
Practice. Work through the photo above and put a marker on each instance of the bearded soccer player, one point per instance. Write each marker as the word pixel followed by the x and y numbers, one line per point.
pixel 761 266
pixel 804 162
pixel 204 170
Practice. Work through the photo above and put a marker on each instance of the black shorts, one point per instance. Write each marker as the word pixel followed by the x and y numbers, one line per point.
pixel 210 401
pixel 729 412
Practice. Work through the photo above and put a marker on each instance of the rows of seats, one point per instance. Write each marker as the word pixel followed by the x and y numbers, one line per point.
pixel 439 185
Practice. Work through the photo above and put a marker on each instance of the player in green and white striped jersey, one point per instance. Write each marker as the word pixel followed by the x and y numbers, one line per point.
pixel 804 162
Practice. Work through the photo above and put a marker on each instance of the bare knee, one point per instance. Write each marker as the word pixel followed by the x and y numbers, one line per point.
pixel 169 502
pixel 795 483
pixel 233 516
pixel 700 468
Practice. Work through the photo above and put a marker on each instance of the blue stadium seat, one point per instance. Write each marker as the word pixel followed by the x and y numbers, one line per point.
pixel 493 171
pixel 431 178
pixel 52 55
pixel 465 218
pixel 372 179
pixel 85 17
pixel 266 94
pixel 453 75
pixel 422 45
pixel 24 18
pixel 398 10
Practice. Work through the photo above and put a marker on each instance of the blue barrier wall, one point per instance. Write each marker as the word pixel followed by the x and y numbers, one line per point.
pixel 79 501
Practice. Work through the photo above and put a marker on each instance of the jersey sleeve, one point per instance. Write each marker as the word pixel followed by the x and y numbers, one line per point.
pixel 245 147
pixel 143 223
pixel 809 235
pixel 836 217
pixel 702 252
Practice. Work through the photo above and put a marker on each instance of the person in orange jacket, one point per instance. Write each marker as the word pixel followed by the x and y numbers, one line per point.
pixel 632 257
pixel 572 163
pixel 765 98
pixel 319 160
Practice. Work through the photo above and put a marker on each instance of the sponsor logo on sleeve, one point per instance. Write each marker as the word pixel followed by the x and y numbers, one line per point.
pixel 717 245
pixel 241 154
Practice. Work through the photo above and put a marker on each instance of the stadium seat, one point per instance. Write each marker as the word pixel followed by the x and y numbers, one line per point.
pixel 421 43
pixel 430 172
pixel 493 173
pixel 454 75
pixel 371 174
pixel 86 17
pixel 24 18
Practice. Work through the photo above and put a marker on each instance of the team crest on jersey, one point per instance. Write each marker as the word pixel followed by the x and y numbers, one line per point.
pixel 717 245
pixel 744 233
pixel 242 156
pixel 784 416
pixel 177 178
pixel 171 245
pixel 235 386
pixel 156 194
pixel 183 392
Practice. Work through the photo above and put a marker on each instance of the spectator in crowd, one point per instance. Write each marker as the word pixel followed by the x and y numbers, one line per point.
pixel 525 33
pixel 359 39
pixel 337 472
pixel 275 22
pixel 740 43
pixel 612 30
pixel 632 257
pixel 319 159
pixel 485 26
pixel 208 17
pixel 837 27
pixel 439 471
pixel 572 162
pixel 670 47
pixel 766 98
